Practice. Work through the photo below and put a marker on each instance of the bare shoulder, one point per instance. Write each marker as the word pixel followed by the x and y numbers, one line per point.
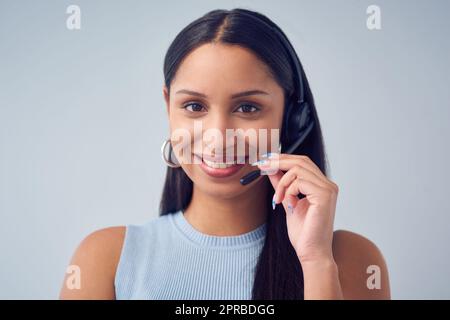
pixel 362 268
pixel 92 269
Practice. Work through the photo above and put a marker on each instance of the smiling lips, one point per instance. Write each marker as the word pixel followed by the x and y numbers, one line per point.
pixel 216 169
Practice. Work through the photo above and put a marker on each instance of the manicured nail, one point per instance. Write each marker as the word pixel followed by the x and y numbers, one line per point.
pixel 273 202
pixel 259 162
pixel 290 208
pixel 268 172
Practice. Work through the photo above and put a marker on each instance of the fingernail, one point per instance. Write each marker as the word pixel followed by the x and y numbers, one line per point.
pixel 259 162
pixel 267 155
pixel 268 172
pixel 290 208
pixel 273 202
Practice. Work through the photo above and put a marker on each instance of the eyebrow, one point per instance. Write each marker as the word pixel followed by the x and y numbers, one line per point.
pixel 234 96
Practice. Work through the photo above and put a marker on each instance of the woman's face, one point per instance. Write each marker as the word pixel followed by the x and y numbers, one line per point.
pixel 204 103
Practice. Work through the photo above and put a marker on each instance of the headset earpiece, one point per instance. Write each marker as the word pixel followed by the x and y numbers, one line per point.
pixel 298 124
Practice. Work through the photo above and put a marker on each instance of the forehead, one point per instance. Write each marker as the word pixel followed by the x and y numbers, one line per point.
pixel 232 67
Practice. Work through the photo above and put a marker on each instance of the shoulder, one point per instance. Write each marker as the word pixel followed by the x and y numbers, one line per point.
pixel 104 243
pixel 110 235
pixel 362 268
pixel 94 263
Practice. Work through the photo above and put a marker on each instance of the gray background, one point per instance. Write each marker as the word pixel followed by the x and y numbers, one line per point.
pixel 82 118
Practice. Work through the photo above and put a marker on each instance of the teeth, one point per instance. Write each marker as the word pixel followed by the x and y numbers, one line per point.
pixel 218 165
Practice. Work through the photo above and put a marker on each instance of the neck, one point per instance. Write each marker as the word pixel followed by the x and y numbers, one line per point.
pixel 216 216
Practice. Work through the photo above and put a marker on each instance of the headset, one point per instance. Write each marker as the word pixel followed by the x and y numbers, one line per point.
pixel 297 120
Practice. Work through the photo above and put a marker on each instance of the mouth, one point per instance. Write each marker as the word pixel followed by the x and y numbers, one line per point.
pixel 219 169
pixel 219 165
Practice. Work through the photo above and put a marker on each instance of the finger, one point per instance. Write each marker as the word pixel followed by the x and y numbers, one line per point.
pixel 275 178
pixel 311 190
pixel 285 162
pixel 290 176
pixel 304 159
pixel 290 202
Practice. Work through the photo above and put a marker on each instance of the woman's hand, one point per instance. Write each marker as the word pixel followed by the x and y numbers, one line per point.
pixel 309 220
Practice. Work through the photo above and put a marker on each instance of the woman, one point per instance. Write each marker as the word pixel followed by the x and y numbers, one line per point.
pixel 217 238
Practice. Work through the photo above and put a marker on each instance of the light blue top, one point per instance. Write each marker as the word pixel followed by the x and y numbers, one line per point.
pixel 167 258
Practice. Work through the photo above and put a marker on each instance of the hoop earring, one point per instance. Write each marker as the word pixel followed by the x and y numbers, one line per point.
pixel 165 158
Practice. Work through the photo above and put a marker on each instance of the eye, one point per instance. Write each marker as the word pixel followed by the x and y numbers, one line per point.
pixel 247 108
pixel 193 107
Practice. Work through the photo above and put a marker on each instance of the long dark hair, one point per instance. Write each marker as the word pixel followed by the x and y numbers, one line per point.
pixel 279 273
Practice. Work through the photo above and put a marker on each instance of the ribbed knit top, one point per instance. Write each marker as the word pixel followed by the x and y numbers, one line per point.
pixel 167 258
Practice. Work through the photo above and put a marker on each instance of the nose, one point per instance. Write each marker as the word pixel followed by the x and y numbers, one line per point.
pixel 215 126
pixel 218 120
pixel 214 132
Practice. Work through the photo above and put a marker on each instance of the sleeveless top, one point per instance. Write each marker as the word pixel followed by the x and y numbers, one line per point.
pixel 167 258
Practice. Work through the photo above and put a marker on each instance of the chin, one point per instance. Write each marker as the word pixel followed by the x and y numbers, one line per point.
pixel 223 187
pixel 222 190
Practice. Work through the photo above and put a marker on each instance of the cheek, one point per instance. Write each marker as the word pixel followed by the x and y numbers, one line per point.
pixel 177 120
pixel 181 131
pixel 265 137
